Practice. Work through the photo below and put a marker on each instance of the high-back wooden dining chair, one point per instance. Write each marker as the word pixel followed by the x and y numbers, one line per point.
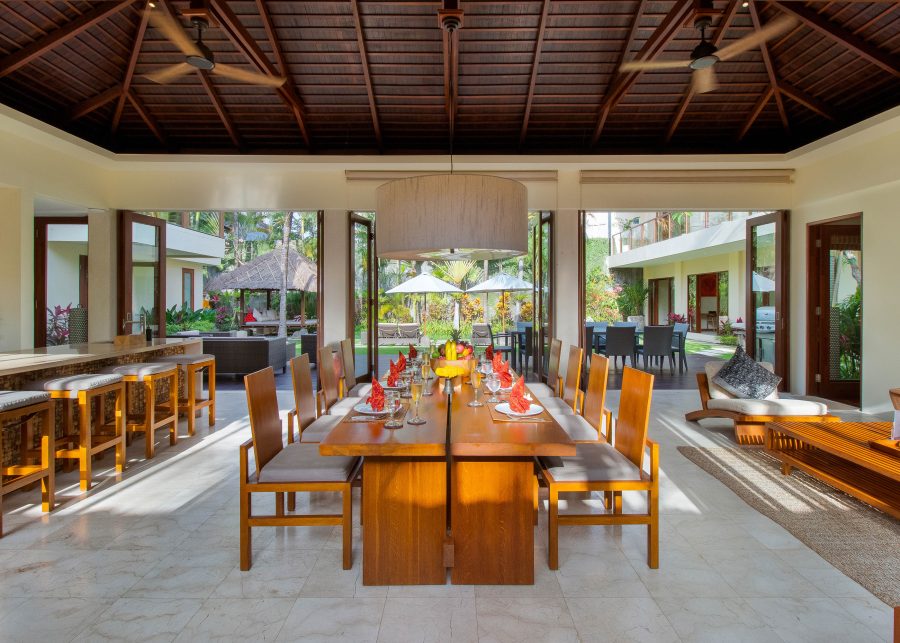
pixel 593 409
pixel 287 469
pixel 351 388
pixel 571 392
pixel 305 411
pixel 611 468
pixel 553 387
pixel 329 388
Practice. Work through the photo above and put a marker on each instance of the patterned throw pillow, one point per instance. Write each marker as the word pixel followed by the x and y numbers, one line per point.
pixel 743 377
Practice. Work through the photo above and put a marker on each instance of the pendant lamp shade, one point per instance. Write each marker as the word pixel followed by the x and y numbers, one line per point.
pixel 452 217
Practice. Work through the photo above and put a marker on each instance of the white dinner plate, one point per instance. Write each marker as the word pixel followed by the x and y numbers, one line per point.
pixel 366 409
pixel 534 409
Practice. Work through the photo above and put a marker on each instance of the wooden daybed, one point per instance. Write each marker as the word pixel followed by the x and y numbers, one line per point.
pixel 750 416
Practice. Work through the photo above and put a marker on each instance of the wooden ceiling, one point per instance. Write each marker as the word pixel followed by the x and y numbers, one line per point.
pixel 372 76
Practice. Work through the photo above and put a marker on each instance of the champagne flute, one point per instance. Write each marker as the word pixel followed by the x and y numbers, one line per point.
pixel 416 391
pixel 426 375
pixel 475 379
pixel 493 385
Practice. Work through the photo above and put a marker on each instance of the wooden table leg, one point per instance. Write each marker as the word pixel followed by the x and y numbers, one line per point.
pixel 492 511
pixel 405 514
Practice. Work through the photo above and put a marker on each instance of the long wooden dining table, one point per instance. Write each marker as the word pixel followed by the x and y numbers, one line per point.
pixel 455 495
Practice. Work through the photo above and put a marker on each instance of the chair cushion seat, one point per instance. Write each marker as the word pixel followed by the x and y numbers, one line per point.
pixel 183 359
pixel 577 428
pixel 10 400
pixel 343 407
pixel 557 406
pixel 301 462
pixel 74 383
pixel 782 406
pixel 360 390
pixel 141 369
pixel 320 428
pixel 541 391
pixel 597 461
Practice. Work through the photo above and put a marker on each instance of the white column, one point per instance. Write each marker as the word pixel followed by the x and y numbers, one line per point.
pixel 103 270
pixel 335 265
pixel 17 268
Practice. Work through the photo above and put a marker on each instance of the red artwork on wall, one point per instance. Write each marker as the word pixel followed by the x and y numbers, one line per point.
pixel 707 285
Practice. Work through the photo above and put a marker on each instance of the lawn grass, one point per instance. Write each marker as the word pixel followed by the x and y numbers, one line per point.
pixel 714 350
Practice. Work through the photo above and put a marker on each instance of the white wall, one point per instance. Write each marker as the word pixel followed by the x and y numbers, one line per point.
pixel 733 262
pixel 63 279
pixel 173 282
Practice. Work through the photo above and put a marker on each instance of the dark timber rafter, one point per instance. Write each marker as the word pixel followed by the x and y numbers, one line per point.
pixel 147 117
pixel 534 71
pixel 770 70
pixel 95 102
pixel 364 59
pixel 689 93
pixel 220 108
pixel 68 31
pixel 657 42
pixel 245 43
pixel 887 61
pixel 129 71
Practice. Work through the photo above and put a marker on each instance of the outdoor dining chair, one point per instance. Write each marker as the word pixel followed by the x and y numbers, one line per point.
pixel 658 344
pixel 620 343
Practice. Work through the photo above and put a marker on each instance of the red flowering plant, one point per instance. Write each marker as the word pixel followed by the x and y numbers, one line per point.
pixel 675 318
pixel 58 325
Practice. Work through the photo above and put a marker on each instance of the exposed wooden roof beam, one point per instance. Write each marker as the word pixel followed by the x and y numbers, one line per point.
pixel 535 63
pixel 657 42
pixel 887 61
pixel 129 71
pixel 220 109
pixel 770 69
pixel 810 102
pixel 23 56
pixel 245 43
pixel 755 112
pixel 147 117
pixel 361 44
pixel 689 93
pixel 95 102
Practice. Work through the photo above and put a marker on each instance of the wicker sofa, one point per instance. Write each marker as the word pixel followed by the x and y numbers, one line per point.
pixel 243 355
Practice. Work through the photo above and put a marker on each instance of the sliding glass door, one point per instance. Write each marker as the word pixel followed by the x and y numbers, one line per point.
pixel 767 290
pixel 363 295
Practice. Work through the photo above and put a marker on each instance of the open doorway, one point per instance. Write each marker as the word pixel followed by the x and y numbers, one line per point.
pixel 60 277
pixel 834 337
pixel 707 301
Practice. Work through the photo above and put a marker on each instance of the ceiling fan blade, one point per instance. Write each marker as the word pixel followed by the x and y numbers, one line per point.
pixel 704 80
pixel 645 65
pixel 173 32
pixel 244 76
pixel 771 30
pixel 170 73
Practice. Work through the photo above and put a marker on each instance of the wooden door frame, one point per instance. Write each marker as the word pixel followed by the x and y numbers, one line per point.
pixel 781 219
pixel 653 285
pixel 189 271
pixel 815 355
pixel 546 216
pixel 124 238
pixel 40 271
pixel 320 278
pixel 355 218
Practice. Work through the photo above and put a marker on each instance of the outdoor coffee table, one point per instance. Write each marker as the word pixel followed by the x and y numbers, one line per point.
pixel 839 454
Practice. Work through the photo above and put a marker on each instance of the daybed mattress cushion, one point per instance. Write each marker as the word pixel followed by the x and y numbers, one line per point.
pixel 783 406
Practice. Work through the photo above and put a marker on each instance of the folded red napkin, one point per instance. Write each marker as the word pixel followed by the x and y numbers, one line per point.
pixel 502 371
pixel 489 352
pixel 393 374
pixel 401 362
pixel 376 397
pixel 517 400
pixel 496 362
pixel 413 353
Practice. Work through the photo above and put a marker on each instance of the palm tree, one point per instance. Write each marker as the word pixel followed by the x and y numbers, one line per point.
pixel 459 273
pixel 285 246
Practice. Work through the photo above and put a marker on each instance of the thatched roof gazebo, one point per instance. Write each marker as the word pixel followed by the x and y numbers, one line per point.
pixel 265 272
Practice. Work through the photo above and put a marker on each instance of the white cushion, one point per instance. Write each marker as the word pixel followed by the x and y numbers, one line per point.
pixel 320 428
pixel 716 392
pixel 258 315
pixel 343 407
pixel 10 400
pixel 541 391
pixel 270 314
pixel 301 462
pixel 74 383
pixel 361 390
pixel 557 405
pixel 769 407
pixel 577 428
pixel 141 369
pixel 183 359
pixel 596 461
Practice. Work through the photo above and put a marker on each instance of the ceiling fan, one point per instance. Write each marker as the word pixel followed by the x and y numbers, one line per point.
pixel 198 56
pixel 705 55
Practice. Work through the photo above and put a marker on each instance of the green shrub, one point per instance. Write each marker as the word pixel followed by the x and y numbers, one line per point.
pixel 729 340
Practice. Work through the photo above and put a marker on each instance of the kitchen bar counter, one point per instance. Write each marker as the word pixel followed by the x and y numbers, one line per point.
pixel 37 359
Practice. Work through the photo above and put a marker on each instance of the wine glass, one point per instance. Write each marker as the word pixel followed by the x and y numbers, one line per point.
pixel 475 379
pixel 392 401
pixel 487 367
pixel 493 385
pixel 404 384
pixel 426 376
pixel 416 392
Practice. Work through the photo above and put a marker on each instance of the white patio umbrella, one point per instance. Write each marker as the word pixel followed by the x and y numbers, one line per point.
pixel 422 284
pixel 501 283
pixel 762 283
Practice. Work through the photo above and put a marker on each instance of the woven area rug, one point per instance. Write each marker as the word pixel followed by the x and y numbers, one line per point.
pixel 860 541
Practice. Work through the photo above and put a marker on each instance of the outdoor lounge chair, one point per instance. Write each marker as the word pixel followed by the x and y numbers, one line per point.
pixel 409 333
pixel 750 416
pixel 388 333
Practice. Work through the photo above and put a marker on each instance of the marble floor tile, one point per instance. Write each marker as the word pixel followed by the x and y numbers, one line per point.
pixel 229 619
pixel 517 620
pixel 602 574
pixel 429 620
pixel 620 619
pixel 273 574
pixel 333 619
pixel 141 619
pixel 811 619
pixel 47 619
pixel 716 620
pixel 178 580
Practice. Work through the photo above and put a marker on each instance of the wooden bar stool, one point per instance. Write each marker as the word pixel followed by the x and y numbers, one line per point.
pixel 189 366
pixel 156 416
pixel 22 407
pixel 95 435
